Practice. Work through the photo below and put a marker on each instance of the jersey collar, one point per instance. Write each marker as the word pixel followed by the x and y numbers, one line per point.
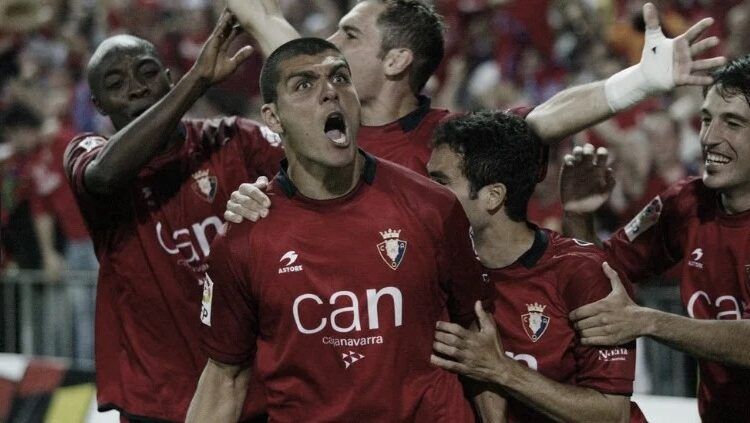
pixel 530 258
pixel 289 189
pixel 414 118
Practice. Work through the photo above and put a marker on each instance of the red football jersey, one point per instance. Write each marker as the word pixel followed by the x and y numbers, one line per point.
pixel 687 222
pixel 407 141
pixel 337 300
pixel 534 297
pixel 149 239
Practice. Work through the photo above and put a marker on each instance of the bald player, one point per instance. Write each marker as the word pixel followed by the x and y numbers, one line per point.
pixel 152 195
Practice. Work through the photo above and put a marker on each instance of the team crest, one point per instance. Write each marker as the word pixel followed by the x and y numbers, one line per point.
pixel 535 322
pixel 392 249
pixel 205 185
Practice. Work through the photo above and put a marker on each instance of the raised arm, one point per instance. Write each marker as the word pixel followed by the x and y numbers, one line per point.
pixel 262 19
pixel 220 394
pixel 665 64
pixel 480 355
pixel 137 142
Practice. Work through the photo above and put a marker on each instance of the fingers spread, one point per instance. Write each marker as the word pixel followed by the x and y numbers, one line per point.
pixel 696 30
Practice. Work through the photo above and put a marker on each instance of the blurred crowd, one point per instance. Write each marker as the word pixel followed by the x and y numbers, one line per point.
pixel 499 54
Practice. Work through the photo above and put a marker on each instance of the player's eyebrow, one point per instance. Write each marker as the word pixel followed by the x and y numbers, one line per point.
pixel 339 64
pixel 734 116
pixel 301 74
pixel 347 27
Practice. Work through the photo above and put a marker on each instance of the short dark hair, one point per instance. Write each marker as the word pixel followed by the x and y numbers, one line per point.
pixel 495 147
pixel 20 116
pixel 415 25
pixel 733 79
pixel 269 74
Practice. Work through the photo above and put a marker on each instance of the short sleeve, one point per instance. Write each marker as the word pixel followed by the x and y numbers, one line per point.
pixel 460 269
pixel 610 370
pixel 650 243
pixel 81 151
pixel 228 314
pixel 261 147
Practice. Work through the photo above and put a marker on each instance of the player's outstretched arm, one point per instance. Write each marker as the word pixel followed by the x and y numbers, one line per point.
pixel 480 356
pixel 262 19
pixel 665 64
pixel 585 185
pixel 220 394
pixel 135 144
pixel 616 319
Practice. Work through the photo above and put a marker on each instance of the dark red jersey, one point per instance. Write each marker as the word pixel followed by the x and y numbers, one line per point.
pixel 149 238
pixel 534 297
pixel 686 222
pixel 407 141
pixel 337 300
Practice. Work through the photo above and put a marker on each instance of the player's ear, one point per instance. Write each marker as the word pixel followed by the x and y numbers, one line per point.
pixel 397 61
pixel 494 197
pixel 271 117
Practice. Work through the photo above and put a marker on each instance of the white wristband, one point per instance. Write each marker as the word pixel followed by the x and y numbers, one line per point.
pixel 625 88
pixel 653 75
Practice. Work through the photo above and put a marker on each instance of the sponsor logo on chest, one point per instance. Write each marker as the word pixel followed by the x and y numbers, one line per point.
pixel 535 322
pixel 287 263
pixel 695 258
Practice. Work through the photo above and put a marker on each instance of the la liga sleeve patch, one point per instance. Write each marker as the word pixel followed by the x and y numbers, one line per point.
pixel 645 219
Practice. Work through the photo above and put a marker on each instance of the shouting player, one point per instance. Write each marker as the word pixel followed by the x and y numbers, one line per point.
pixel 704 222
pixel 394 47
pixel 489 161
pixel 152 196
pixel 335 296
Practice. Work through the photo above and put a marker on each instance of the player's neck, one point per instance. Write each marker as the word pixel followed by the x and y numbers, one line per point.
pixel 503 242
pixel 736 201
pixel 393 102
pixel 321 182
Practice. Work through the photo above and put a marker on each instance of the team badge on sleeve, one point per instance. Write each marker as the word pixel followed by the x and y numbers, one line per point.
pixel 535 322
pixel 644 220
pixel 205 185
pixel 392 249
pixel 90 143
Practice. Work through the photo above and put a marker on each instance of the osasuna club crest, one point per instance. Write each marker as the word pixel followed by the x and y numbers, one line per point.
pixel 535 322
pixel 205 185
pixel 392 249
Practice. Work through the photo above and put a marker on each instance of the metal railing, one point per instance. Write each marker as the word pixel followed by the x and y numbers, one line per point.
pixel 40 318
pixel 48 318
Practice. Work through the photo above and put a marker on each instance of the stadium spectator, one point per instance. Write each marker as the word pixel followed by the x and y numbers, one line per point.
pixel 703 221
pixel 151 195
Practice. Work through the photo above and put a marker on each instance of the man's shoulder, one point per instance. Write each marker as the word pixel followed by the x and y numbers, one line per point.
pixel 573 252
pixel 406 181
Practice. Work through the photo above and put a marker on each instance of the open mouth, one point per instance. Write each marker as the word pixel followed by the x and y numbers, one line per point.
pixel 335 128
pixel 716 159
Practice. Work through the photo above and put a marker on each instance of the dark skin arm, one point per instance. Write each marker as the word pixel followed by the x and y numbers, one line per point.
pixel 133 145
